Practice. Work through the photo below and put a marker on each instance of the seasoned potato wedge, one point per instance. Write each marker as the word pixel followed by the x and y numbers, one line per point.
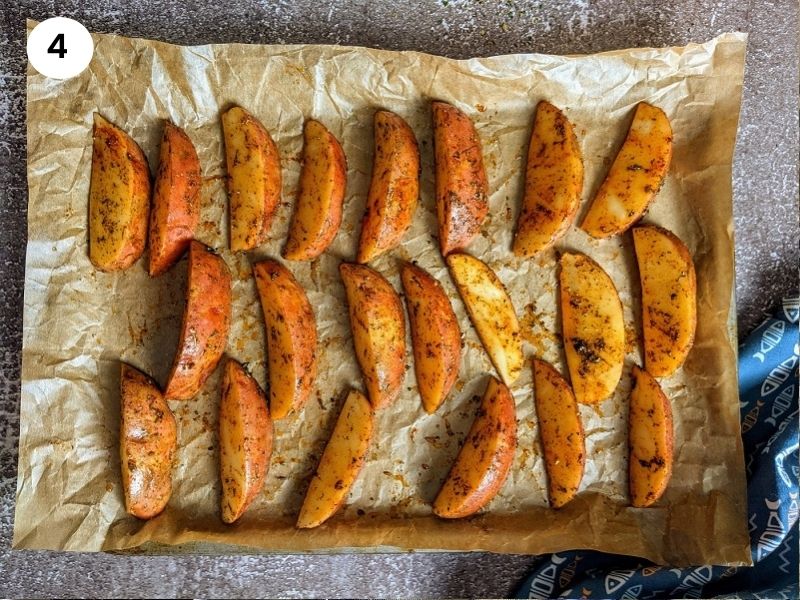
pixel 323 178
pixel 176 199
pixel 245 441
pixel 254 178
pixel 669 298
pixel 206 322
pixel 553 182
pixel 650 440
pixel 435 336
pixel 291 337
pixel 119 198
pixel 592 327
pixel 379 331
pixel 394 189
pixel 485 458
pixel 147 442
pixel 635 176
pixel 340 463
pixel 561 432
pixel 491 312
pixel 462 190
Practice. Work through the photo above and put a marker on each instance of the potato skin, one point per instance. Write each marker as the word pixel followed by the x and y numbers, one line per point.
pixel 636 175
pixel 176 200
pixel 553 182
pixel 435 336
pixel 462 190
pixel 394 189
pixel 592 327
pixel 341 462
pixel 148 440
pixel 379 331
pixel 669 298
pixel 485 458
pixel 323 179
pixel 119 198
pixel 650 440
pixel 254 178
pixel 560 431
pixel 245 441
pixel 291 337
pixel 206 322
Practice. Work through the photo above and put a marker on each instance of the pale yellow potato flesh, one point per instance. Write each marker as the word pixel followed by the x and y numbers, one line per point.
pixel 553 182
pixel 669 298
pixel 491 312
pixel 254 178
pixel 340 463
pixel 636 175
pixel 592 326
pixel 650 440
pixel 560 431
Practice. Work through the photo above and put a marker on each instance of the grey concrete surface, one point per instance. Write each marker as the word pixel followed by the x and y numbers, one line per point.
pixel 765 204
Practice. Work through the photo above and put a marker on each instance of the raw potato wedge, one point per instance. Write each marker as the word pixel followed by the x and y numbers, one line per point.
pixel 553 182
pixel 245 441
pixel 592 327
pixel 206 322
pixel 435 336
pixel 560 431
pixel 635 176
pixel 323 178
pixel 650 440
pixel 491 312
pixel 669 298
pixel 379 331
pixel 291 337
pixel 394 189
pixel 340 463
pixel 147 442
pixel 485 458
pixel 176 200
pixel 462 190
pixel 119 198
pixel 254 178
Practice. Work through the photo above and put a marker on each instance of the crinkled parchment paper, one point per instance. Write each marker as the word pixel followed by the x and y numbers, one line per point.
pixel 79 323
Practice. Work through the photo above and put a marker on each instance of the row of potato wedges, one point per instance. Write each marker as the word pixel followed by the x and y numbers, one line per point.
pixel 592 324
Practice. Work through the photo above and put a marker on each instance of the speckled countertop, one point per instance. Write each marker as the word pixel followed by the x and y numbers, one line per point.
pixel 765 207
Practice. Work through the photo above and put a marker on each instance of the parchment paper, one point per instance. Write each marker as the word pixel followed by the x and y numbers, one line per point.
pixel 79 323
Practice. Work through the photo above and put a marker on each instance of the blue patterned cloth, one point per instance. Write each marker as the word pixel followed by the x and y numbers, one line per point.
pixel 768 388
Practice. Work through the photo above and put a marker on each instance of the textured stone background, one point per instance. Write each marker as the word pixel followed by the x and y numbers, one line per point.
pixel 765 205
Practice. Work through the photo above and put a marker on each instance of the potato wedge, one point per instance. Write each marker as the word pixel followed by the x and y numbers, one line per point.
pixel 560 431
pixel 485 457
pixel 553 182
pixel 206 322
pixel 341 462
pixel 636 174
pixel 669 298
pixel 245 441
pixel 491 312
pixel 379 331
pixel 650 440
pixel 435 336
pixel 291 337
pixel 394 190
pixel 254 178
pixel 323 178
pixel 462 190
pixel 147 442
pixel 176 200
pixel 592 327
pixel 119 198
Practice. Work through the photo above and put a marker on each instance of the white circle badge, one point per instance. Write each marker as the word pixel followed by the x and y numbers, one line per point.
pixel 60 48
